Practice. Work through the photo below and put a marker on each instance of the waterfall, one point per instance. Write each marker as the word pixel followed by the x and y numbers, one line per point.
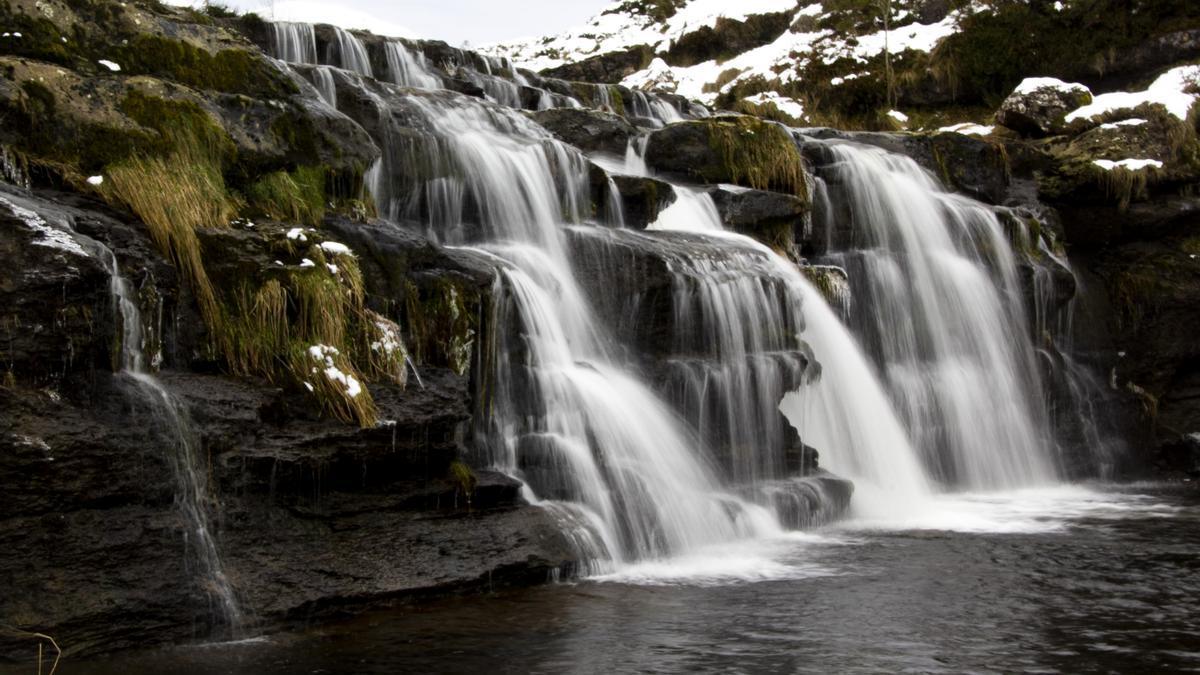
pixel 939 306
pixel 563 412
pixel 294 42
pixel 409 69
pixel 322 77
pixel 349 53
pixel 192 495
pixel 651 107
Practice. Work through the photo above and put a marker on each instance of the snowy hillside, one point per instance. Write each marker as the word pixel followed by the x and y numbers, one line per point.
pixel 833 62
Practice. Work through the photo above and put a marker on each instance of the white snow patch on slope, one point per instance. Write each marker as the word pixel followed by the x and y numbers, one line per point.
pixel 1167 91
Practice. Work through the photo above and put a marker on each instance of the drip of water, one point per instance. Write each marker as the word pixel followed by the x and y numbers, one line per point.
pixel 349 53
pixel 192 495
pixel 941 310
pixel 294 42
pixel 409 69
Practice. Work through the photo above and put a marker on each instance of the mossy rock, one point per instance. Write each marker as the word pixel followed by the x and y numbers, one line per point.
pixel 741 150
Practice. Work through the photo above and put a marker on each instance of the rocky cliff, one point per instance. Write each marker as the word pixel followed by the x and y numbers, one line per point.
pixel 326 368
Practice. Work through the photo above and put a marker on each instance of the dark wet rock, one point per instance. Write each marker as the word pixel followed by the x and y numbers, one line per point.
pixel 809 501
pixel 588 130
pixel 1040 107
pixel 773 218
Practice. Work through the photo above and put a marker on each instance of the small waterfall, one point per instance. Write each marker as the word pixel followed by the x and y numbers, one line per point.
pixel 651 107
pixel 348 53
pixel 192 495
pixel 409 69
pixel 294 42
pixel 322 78
pixel 939 306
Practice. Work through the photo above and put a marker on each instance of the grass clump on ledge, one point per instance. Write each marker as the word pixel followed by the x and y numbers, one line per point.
pixel 759 154
pixel 268 326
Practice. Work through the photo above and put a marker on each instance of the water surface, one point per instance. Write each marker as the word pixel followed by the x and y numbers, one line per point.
pixel 1070 580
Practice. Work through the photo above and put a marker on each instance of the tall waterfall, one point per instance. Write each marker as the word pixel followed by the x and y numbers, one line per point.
pixel 939 306
pixel 349 53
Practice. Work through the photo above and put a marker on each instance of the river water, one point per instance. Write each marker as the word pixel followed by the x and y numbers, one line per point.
pixel 1056 580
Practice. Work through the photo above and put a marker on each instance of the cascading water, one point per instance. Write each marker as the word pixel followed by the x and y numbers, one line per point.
pixel 409 69
pixel 192 495
pixel 939 306
pixel 563 413
pixel 349 53
pixel 294 42
pixel 322 78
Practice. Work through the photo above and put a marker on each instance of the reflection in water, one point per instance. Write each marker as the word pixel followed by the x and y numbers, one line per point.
pixel 1065 580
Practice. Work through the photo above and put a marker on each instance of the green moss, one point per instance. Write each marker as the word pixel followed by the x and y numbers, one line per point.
pixel 295 197
pixel 463 479
pixel 618 101
pixel 234 71
pixel 758 154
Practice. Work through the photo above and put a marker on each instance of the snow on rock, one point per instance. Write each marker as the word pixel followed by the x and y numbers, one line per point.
pixel 110 65
pixel 788 106
pixel 335 248
pixel 1039 105
pixel 1167 91
pixel 968 129
pixel 324 355
pixel 51 237
pixel 1130 164
pixel 1032 84
pixel 1135 122
pixel 297 234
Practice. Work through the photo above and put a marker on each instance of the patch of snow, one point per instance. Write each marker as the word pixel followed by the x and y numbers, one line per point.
pixel 333 269
pixel 1167 91
pixel 1135 122
pixel 51 237
pixel 786 105
pixel 334 248
pixel 969 129
pixel 297 234
pixel 1130 164
pixel 898 116
pixel 1032 84
pixel 307 263
pixel 389 340
pixel 96 180
pixel 110 65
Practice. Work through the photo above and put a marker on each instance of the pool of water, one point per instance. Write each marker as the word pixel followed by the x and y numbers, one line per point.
pixel 1071 580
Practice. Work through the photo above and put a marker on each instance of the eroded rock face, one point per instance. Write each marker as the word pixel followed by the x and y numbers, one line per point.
pixel 1039 106
pixel 775 219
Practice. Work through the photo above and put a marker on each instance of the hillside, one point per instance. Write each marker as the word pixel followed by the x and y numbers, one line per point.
pixel 828 63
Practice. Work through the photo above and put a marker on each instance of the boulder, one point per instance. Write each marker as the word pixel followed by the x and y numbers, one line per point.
pixel 775 219
pixel 588 130
pixel 737 149
pixel 1039 106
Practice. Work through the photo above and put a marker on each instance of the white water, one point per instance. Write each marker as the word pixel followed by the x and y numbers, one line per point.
pixel 349 53
pixel 580 429
pixel 410 69
pixel 294 42
pixel 325 84
pixel 941 310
